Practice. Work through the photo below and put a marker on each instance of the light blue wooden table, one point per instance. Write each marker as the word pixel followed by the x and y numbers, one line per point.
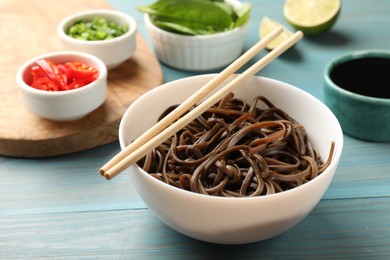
pixel 62 208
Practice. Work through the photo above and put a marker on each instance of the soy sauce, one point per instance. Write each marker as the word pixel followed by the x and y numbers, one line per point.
pixel 365 76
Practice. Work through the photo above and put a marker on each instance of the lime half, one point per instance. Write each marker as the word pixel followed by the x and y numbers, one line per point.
pixel 267 25
pixel 312 16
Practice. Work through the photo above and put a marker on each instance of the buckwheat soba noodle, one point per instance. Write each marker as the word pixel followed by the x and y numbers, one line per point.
pixel 236 149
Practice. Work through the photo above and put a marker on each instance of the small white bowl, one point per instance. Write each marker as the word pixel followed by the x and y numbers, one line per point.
pixel 197 52
pixel 234 220
pixel 65 105
pixel 112 52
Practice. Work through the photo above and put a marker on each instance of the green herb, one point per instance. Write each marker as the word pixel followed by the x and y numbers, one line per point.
pixel 196 17
pixel 96 30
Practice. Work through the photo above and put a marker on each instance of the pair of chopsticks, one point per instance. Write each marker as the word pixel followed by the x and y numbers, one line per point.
pixel 164 129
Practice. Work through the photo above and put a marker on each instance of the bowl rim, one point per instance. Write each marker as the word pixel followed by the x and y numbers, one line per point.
pixel 349 56
pixel 335 160
pixel 205 37
pixel 101 67
pixel 79 15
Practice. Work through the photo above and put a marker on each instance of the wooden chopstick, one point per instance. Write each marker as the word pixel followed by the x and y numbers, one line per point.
pixel 153 142
pixel 198 110
pixel 192 100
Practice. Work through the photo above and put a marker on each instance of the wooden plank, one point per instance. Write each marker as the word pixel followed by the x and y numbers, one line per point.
pixel 62 208
pixel 335 229
pixel 363 171
pixel 70 183
pixel 29 29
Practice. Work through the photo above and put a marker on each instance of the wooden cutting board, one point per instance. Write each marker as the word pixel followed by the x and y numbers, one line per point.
pixel 28 29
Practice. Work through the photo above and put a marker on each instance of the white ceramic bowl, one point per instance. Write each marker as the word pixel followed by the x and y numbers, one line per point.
pixel 112 52
pixel 198 52
pixel 63 105
pixel 233 220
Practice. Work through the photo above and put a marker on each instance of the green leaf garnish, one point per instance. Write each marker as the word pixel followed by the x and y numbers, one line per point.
pixel 196 17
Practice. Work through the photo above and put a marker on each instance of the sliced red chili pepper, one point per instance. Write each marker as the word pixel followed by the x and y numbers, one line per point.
pixel 45 84
pixel 64 76
pixel 36 73
pixel 79 70
pixel 53 72
pixel 78 84
pixel 62 71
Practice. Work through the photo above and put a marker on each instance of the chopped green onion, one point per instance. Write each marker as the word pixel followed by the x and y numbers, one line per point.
pixel 96 30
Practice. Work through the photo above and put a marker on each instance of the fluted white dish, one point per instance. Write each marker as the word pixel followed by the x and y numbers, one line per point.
pixel 197 52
